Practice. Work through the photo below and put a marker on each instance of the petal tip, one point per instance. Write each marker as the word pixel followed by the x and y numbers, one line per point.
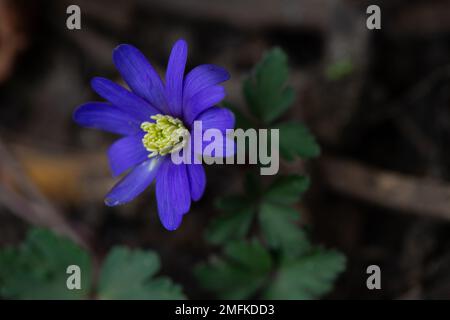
pixel 226 74
pixel 96 81
pixel 172 225
pixel 78 114
pixel 123 46
pixel 121 52
pixel 181 42
pixel 111 203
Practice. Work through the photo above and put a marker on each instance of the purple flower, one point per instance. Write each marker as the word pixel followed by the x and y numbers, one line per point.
pixel 153 119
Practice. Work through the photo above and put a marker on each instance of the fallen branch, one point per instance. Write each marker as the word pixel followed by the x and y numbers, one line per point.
pixel 409 194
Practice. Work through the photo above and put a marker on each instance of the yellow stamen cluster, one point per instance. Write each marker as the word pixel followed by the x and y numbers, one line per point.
pixel 166 135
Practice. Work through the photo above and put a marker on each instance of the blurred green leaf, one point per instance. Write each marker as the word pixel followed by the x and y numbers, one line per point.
pixel 280 230
pixel 233 203
pixel 266 92
pixel 128 274
pixel 296 140
pixel 340 69
pixel 37 269
pixel 240 274
pixel 234 223
pixel 229 226
pixel 308 277
pixel 287 189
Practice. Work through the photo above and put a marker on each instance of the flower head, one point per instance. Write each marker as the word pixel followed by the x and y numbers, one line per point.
pixel 155 119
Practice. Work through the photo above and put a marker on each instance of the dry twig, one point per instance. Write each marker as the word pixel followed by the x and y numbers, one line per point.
pixel 401 192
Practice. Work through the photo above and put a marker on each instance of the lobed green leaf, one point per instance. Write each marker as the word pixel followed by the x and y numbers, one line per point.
pixel 37 269
pixel 297 141
pixel 128 275
pixel 308 277
pixel 279 228
pixel 266 91
pixel 287 189
pixel 240 274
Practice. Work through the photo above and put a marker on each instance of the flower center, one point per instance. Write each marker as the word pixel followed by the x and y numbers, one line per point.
pixel 166 135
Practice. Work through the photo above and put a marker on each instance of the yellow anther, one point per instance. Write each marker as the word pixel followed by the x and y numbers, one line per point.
pixel 166 135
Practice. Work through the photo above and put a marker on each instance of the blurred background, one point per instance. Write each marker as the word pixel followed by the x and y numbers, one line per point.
pixel 377 100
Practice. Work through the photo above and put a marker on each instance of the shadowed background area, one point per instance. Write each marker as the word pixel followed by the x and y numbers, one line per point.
pixel 378 102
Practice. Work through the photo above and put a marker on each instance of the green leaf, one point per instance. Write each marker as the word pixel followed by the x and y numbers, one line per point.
pixel 128 274
pixel 235 223
pixel 296 140
pixel 232 203
pixel 240 274
pixel 287 189
pixel 340 69
pixel 280 230
pixel 266 91
pixel 309 277
pixel 229 226
pixel 37 269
